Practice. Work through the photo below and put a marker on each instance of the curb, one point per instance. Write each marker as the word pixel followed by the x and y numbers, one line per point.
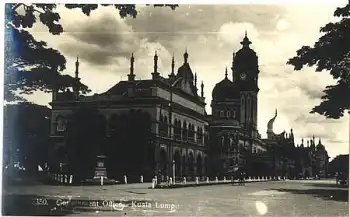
pixel 179 185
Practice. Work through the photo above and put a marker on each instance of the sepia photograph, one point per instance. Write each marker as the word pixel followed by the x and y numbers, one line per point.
pixel 196 109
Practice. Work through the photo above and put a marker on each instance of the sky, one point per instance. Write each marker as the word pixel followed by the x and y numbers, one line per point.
pixel 210 33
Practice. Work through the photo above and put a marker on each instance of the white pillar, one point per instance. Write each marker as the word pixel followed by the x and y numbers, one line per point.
pixel 224 178
pixel 249 178
pixel 156 180
pixel 70 179
pixel 216 179
pixel 66 178
pixel 125 180
pixel 141 179
pixel 153 183
pixel 197 182
pixel 207 179
pixel 101 180
pixel 170 181
pixel 185 180
pixel 61 178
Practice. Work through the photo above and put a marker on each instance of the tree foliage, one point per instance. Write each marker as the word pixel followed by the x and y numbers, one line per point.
pixel 130 151
pixel 26 134
pixel 86 132
pixel 30 64
pixel 331 53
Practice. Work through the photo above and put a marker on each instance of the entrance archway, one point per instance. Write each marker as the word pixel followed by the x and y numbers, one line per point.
pixel 163 161
pixel 191 164
pixel 184 166
pixel 199 165
pixel 177 159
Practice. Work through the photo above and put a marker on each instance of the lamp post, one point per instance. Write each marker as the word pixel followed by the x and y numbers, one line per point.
pixel 170 124
pixel 174 171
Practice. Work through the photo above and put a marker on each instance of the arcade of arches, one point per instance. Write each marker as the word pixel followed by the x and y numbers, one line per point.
pixel 188 163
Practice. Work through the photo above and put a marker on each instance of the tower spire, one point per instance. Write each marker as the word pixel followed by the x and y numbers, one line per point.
pixel 131 76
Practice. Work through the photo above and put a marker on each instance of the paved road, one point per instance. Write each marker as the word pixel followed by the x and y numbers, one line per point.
pixel 284 198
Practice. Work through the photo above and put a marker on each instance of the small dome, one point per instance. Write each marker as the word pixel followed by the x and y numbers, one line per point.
pixel 320 147
pixel 225 89
pixel 185 72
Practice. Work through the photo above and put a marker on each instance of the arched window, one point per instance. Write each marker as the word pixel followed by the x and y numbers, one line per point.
pixel 228 114
pixel 242 109
pixel 199 135
pixel 184 131
pixel 61 124
pixel 221 114
pixel 233 114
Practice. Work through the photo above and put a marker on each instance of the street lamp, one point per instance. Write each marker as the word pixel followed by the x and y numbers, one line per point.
pixel 170 123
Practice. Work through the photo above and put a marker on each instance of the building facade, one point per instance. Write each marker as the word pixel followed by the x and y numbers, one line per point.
pixel 185 141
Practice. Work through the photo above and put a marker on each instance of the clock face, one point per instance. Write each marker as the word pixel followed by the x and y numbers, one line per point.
pixel 243 76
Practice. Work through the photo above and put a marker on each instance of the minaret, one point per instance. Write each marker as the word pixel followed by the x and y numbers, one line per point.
pixel 155 73
pixel 195 80
pixel 233 67
pixel 131 76
pixel 202 90
pixel 302 143
pixel 172 74
pixel 77 79
pixel 77 68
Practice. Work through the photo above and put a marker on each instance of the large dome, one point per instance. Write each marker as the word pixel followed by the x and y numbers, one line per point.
pixel 225 89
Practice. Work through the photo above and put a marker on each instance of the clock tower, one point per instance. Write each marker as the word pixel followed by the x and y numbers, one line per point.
pixel 245 72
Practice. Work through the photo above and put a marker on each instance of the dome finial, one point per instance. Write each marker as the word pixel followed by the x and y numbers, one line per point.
pixel 185 56
pixel 246 42
pixel 226 72
pixel 270 123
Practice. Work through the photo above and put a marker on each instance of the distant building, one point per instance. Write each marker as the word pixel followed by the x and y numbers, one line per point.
pixel 313 159
pixel 183 134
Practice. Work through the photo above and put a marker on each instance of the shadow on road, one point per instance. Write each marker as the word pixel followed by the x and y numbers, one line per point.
pixel 327 194
pixel 328 185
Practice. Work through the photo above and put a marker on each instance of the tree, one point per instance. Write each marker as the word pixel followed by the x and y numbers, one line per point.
pixel 331 53
pixel 29 64
pixel 130 150
pixel 339 164
pixel 26 130
pixel 85 140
